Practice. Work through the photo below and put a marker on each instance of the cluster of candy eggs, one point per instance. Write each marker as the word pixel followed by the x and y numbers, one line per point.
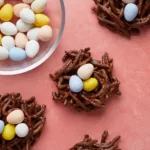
pixel 130 10
pixel 14 126
pixel 21 40
pixel 83 79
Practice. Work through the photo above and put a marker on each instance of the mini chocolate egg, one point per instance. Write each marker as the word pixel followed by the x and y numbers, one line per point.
pixel 21 40
pixel 17 54
pixel 3 53
pixel 32 48
pixel 8 42
pixel 27 15
pixel 75 84
pixel 8 132
pixel 22 130
pixel 22 26
pixel 128 1
pixel 90 84
pixel 45 33
pixel 28 1
pixel 41 20
pixel 38 6
pixel 15 117
pixel 85 71
pixel 2 124
pixel 6 12
pixel 1 3
pixel 8 28
pixel 1 39
pixel 130 12
pixel 18 7
pixel 33 34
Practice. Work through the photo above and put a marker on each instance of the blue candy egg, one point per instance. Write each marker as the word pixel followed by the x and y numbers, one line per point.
pixel 130 12
pixel 75 84
pixel 1 126
pixel 17 54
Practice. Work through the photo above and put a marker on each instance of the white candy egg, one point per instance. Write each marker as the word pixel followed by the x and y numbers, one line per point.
pixel 45 33
pixel 130 12
pixel 28 1
pixel 33 34
pixel 27 15
pixel 8 28
pixel 3 53
pixel 1 2
pixel 21 40
pixel 22 26
pixel 38 6
pixel 22 130
pixel 2 124
pixel 75 84
pixel 85 71
pixel 32 48
pixel 8 42
pixel 15 117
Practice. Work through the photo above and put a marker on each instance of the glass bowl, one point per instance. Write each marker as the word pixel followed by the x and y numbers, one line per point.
pixel 55 10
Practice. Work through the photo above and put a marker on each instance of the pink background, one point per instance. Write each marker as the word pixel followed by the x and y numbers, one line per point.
pixel 127 115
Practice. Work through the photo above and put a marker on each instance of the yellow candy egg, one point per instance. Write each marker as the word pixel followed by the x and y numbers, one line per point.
pixel 6 13
pixel 41 20
pixel 8 132
pixel 90 84
pixel 0 39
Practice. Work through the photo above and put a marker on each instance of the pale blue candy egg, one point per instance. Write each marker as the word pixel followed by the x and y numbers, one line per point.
pixel 75 84
pixel 1 126
pixel 130 12
pixel 17 54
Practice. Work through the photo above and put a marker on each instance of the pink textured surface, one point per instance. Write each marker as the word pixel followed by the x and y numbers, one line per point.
pixel 127 115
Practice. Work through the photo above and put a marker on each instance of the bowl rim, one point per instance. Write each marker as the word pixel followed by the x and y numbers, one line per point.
pixel 50 52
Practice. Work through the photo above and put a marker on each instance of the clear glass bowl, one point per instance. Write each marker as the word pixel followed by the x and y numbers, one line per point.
pixel 55 10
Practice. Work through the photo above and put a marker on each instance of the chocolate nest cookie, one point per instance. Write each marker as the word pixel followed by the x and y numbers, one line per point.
pixel 21 122
pixel 90 144
pixel 123 16
pixel 96 88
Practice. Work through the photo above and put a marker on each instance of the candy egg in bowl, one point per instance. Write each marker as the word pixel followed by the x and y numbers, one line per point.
pixel 29 36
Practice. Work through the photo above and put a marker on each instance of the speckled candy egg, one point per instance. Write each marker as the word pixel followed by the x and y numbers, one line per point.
pixel 75 84
pixel 22 130
pixel 128 1
pixel 32 48
pixel 21 40
pixel 17 54
pixel 22 26
pixel 38 6
pixel 8 42
pixel 28 1
pixel 6 12
pixel 3 53
pixel 90 84
pixel 18 7
pixel 45 33
pixel 2 124
pixel 8 28
pixel 8 132
pixel 33 34
pixel 27 15
pixel 130 12
pixel 15 117
pixel 85 71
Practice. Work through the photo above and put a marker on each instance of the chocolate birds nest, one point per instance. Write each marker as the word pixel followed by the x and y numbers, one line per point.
pixel 34 118
pixel 87 101
pixel 110 13
pixel 90 144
